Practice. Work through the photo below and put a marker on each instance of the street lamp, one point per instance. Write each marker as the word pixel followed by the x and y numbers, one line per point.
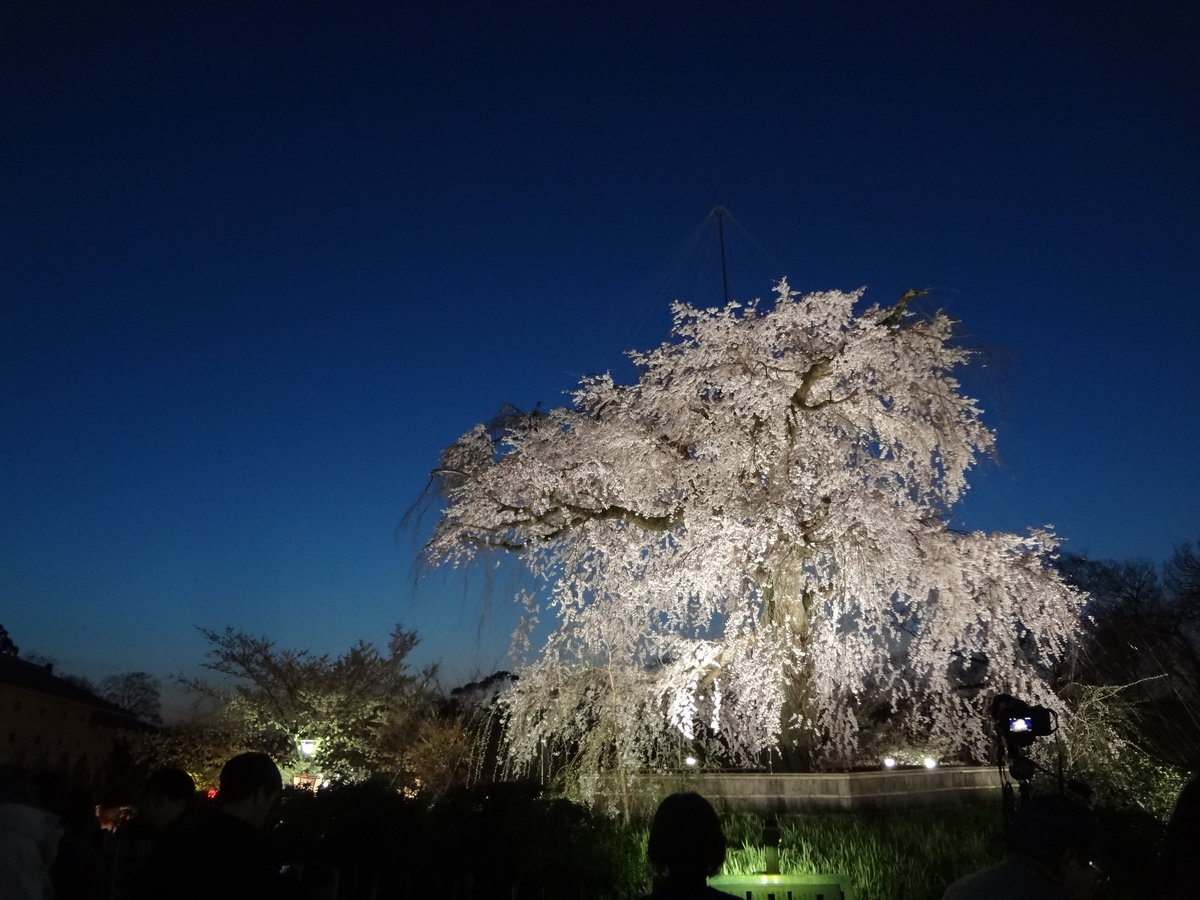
pixel 306 780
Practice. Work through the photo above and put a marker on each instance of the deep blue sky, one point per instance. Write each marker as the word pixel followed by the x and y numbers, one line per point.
pixel 259 261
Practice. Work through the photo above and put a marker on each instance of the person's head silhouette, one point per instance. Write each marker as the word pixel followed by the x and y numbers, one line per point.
pixel 250 785
pixel 166 797
pixel 686 842
pixel 1050 841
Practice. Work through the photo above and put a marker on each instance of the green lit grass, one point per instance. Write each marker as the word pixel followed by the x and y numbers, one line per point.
pixel 909 855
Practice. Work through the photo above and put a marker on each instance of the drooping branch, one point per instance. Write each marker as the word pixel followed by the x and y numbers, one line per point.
pixel 571 516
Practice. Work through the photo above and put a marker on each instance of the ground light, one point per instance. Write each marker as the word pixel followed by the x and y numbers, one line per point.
pixel 778 887
pixel 889 762
pixel 930 762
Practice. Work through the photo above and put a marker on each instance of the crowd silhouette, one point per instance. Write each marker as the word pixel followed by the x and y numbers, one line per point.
pixel 178 844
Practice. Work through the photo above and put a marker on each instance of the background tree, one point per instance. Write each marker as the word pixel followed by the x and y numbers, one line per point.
pixel 1181 575
pixel 138 693
pixel 362 708
pixel 1141 636
pixel 752 538
pixel 7 647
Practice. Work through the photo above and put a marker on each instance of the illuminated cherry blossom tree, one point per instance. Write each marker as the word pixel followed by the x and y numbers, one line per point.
pixel 361 710
pixel 751 538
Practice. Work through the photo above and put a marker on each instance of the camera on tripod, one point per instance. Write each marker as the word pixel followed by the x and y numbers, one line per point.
pixel 1018 725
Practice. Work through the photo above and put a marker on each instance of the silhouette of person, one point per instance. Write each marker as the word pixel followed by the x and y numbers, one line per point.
pixel 1050 841
pixel 29 837
pixel 227 854
pixel 166 799
pixel 77 872
pixel 686 847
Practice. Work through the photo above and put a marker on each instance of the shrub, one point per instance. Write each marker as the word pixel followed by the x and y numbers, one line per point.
pixel 515 838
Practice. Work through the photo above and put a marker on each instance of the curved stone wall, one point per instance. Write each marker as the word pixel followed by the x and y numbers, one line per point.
pixel 793 793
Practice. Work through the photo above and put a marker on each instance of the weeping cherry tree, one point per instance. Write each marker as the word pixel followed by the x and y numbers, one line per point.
pixel 745 543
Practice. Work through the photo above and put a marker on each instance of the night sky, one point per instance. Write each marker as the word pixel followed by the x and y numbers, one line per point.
pixel 260 261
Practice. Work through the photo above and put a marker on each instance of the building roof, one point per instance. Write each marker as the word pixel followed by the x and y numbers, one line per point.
pixel 40 678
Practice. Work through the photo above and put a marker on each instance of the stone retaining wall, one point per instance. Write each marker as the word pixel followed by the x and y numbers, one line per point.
pixel 768 793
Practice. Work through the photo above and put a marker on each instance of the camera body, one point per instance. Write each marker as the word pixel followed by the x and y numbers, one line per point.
pixel 1018 724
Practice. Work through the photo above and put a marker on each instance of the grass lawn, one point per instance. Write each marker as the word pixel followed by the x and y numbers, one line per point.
pixel 902 855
